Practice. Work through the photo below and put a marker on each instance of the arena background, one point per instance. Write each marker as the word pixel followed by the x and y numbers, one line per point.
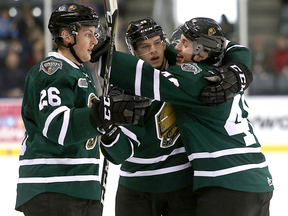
pixel 268 111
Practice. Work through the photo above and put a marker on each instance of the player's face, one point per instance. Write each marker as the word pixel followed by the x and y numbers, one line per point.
pixel 151 51
pixel 85 42
pixel 184 50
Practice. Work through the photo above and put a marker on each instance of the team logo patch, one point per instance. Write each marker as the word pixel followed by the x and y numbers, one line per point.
pixel 129 27
pixel 72 7
pixel 211 31
pixel 191 67
pixel 50 66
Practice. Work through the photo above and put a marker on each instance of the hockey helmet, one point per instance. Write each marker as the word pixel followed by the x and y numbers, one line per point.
pixel 176 35
pixel 207 36
pixel 71 17
pixel 141 30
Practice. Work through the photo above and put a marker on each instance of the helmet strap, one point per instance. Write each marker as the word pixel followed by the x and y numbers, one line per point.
pixel 70 46
pixel 192 58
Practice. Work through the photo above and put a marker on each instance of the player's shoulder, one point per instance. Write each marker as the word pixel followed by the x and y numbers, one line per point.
pixel 54 63
pixel 233 45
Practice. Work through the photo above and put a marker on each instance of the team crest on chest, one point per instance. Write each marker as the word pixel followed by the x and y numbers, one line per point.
pixel 50 66
pixel 167 128
pixel 191 67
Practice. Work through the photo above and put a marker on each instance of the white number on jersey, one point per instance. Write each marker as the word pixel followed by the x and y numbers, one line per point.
pixel 236 124
pixel 50 97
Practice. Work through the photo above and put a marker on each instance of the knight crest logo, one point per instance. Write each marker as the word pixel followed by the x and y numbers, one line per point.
pixel 129 27
pixel 167 128
pixel 211 31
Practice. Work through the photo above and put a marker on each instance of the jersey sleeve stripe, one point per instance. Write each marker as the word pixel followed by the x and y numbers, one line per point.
pixel 112 143
pixel 51 117
pixel 156 159
pixel 64 127
pixel 156 172
pixel 130 134
pixel 156 84
pixel 138 77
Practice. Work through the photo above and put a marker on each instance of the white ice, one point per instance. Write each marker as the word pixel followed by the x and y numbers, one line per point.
pixel 9 174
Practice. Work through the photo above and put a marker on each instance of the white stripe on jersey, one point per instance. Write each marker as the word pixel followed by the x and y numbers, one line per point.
pixel 52 116
pixel 58 179
pixel 51 161
pixel 223 153
pixel 156 172
pixel 64 127
pixel 156 84
pixel 157 159
pixel 229 170
pixel 138 77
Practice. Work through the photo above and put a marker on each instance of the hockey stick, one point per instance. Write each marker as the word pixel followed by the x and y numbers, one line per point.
pixel 111 10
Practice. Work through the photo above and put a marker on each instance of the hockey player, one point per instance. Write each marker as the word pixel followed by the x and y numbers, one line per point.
pixel 231 176
pixel 152 179
pixel 59 157
pixel 156 177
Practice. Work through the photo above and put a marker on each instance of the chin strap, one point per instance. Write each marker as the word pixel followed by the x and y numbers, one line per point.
pixel 74 53
pixel 70 46
pixel 192 58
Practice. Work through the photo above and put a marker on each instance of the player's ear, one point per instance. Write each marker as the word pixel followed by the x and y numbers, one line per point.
pixel 66 36
pixel 203 55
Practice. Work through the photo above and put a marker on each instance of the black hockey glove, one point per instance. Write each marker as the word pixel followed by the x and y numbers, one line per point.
pixel 118 110
pixel 230 79
pixel 110 134
pixel 100 49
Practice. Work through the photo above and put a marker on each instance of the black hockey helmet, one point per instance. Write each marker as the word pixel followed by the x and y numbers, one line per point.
pixel 207 36
pixel 141 30
pixel 176 35
pixel 71 17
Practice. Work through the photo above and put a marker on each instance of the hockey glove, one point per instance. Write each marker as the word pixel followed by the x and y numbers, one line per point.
pixel 110 134
pixel 100 49
pixel 118 110
pixel 230 79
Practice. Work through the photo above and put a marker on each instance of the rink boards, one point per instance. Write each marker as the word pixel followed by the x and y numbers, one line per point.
pixel 268 114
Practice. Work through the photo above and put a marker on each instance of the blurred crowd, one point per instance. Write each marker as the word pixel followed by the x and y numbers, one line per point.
pixel 22 45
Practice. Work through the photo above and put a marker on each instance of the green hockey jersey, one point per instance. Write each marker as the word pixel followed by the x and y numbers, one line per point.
pixel 60 152
pixel 219 141
pixel 151 154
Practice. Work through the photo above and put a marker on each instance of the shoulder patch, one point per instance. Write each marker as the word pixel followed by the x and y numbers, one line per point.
pixel 191 67
pixel 50 66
